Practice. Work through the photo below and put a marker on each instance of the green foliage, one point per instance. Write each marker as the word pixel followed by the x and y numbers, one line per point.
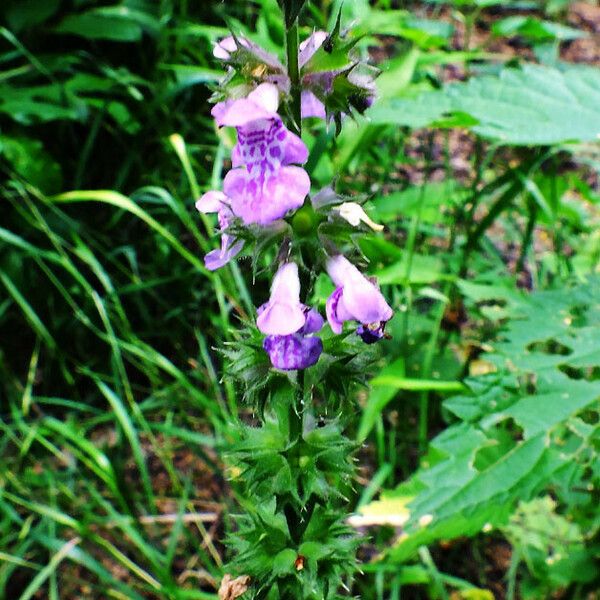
pixel 292 471
pixel 528 427
pixel 112 408
pixel 535 30
pixel 527 106
pixel 552 547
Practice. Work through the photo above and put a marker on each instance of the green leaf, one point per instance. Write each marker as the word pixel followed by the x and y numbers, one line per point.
pixel 24 14
pixel 534 29
pixel 506 451
pixel 534 105
pixel 117 23
pixel 32 162
pixel 283 563
pixel 423 270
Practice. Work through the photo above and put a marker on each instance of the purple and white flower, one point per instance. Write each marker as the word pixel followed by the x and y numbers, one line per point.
pixel 263 185
pixel 289 324
pixel 226 48
pixel 298 350
pixel 283 313
pixel 217 202
pixel 356 298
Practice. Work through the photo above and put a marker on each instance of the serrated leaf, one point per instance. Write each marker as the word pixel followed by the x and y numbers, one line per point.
pixel 521 432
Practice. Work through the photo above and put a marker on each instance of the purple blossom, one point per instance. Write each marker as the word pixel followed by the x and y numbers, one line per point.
pixel 277 73
pixel 217 202
pixel 263 186
pixel 283 314
pixel 356 299
pixel 225 47
pixel 299 350
pixel 289 324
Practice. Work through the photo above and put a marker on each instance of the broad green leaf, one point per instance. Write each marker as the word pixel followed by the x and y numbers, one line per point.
pixel 534 105
pixel 32 162
pixel 423 270
pixel 505 451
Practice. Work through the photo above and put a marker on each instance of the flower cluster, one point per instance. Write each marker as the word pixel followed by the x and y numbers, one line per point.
pixel 332 78
pixel 263 184
pixel 266 184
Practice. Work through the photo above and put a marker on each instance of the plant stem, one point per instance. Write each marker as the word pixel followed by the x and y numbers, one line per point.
pixel 291 47
pixel 527 237
pixel 426 373
pixel 512 575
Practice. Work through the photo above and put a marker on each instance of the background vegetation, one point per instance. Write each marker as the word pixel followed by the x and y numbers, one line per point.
pixel 480 469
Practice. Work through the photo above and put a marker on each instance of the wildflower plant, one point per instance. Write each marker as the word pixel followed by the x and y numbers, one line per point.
pixel 294 471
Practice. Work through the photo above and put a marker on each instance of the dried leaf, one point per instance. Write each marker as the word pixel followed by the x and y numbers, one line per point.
pixel 233 588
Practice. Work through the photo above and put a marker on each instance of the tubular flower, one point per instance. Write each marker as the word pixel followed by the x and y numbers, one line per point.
pixel 288 323
pixel 217 202
pixel 283 314
pixel 356 299
pixel 299 350
pixel 262 186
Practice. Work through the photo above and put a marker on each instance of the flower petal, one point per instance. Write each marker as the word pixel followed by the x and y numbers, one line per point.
pixel 211 202
pixel 314 321
pixel 311 106
pixel 286 284
pixel 266 96
pixel 361 299
pixel 263 198
pixel 310 45
pixel 355 214
pixel 331 307
pixel 365 302
pixel 225 47
pixel 294 150
pixel 280 318
pixel 218 258
pixel 291 352
pixel 283 314
pixel 237 113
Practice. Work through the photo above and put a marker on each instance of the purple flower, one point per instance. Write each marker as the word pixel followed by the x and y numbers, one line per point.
pixel 263 186
pixel 225 47
pixel 288 323
pixel 311 105
pixel 283 314
pixel 359 75
pixel 299 350
pixel 212 202
pixel 356 299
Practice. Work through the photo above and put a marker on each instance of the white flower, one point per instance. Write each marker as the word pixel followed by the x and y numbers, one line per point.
pixel 354 214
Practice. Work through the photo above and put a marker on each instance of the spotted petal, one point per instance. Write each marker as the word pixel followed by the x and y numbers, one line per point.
pixel 264 197
pixel 291 352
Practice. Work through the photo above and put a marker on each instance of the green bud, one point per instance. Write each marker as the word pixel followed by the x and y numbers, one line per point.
pixel 305 221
